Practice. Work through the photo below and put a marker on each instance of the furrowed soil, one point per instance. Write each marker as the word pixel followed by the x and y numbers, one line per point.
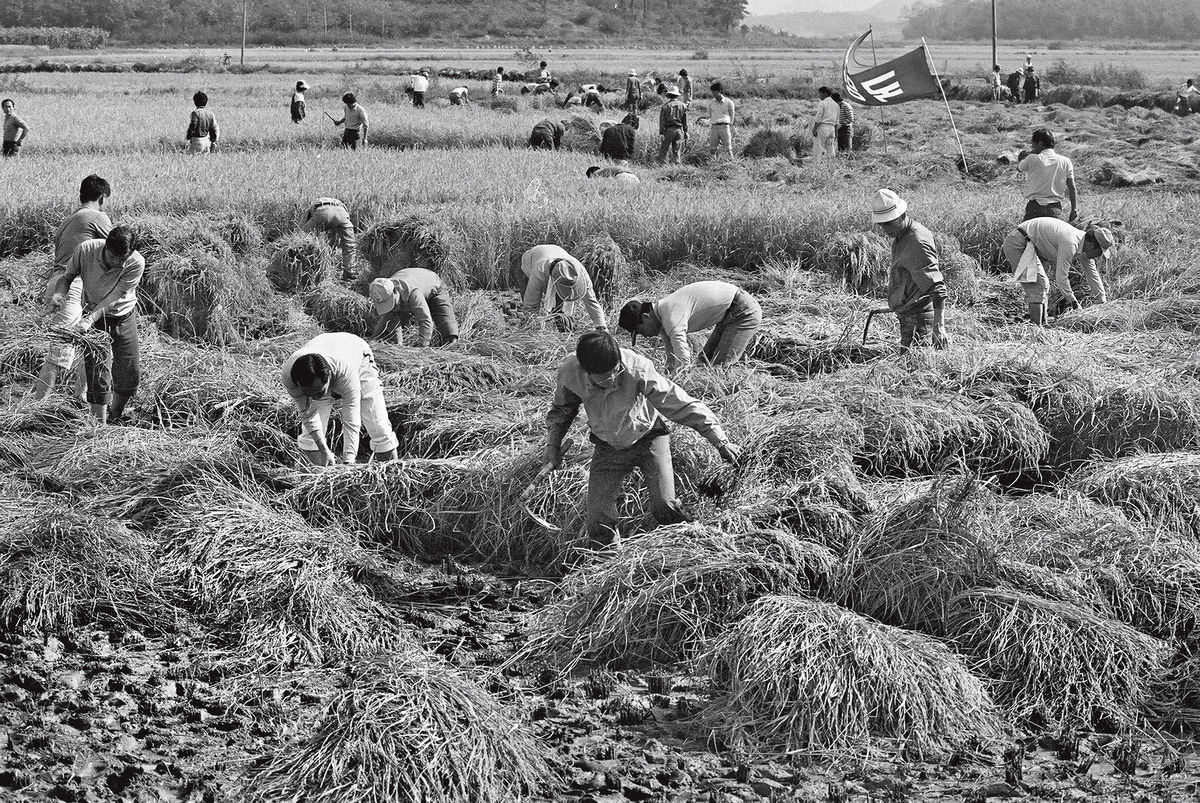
pixel 189 612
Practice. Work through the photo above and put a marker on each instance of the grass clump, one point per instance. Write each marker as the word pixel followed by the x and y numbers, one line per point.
pixel 766 142
pixel 301 262
pixel 339 309
pixel 407 729
pixel 1160 488
pixel 420 241
pixel 805 676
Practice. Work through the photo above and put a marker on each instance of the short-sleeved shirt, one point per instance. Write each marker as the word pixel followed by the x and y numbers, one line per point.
pixel 100 284
pixel 356 117
pixel 420 83
pixel 13 124
pixel 1046 176
pixel 1056 241
pixel 720 111
pixel 692 308
pixel 80 226
pixel 915 269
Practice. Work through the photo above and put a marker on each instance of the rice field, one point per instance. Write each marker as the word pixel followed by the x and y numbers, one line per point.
pixel 953 574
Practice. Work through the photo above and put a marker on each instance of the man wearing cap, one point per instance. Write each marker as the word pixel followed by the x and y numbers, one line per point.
pixel 720 117
pixel 672 126
pixel 633 91
pixel 338 367
pixel 413 295
pixel 617 141
pixel 330 217
pixel 1049 179
pixel 733 314
pixel 420 85
pixel 298 108
pixel 1058 244
pixel 916 292
pixel 460 96
pixel 547 135
pixel 556 281
pixel 626 400
pixel 356 122
pixel 824 125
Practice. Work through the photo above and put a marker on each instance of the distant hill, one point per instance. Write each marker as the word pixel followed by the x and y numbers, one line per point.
pixel 885 18
pixel 1138 20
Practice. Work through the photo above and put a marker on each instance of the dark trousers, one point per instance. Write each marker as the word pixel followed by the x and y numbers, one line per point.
pixel 419 100
pixel 124 372
pixel 732 335
pixel 11 147
pixel 442 312
pixel 610 467
pixel 1034 209
pixel 915 328
pixel 541 140
pixel 845 137
pixel 350 139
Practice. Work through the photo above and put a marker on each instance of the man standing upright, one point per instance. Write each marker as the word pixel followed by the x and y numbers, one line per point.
pixel 1031 85
pixel 685 87
pixel 1049 179
pixel 498 82
pixel 997 83
pixel 15 130
pixel 420 85
pixel 916 292
pixel 672 126
pixel 202 131
pixel 845 124
pixel 356 122
pixel 633 92
pixel 298 107
pixel 824 124
pixel 720 117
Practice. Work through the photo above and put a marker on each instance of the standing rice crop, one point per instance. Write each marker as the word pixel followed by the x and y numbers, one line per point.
pixel 860 261
pixel 408 729
pixel 421 241
pixel 805 676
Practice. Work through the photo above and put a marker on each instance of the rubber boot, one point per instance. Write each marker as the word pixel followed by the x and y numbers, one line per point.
pixel 1037 314
pixel 117 408
pixel 100 413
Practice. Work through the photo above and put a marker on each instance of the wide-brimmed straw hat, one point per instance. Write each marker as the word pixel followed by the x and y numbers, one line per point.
pixel 887 206
pixel 382 293
pixel 301 85
pixel 673 92
pixel 570 281
pixel 1104 238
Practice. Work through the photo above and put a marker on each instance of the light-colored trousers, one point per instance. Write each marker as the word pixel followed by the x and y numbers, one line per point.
pixel 1039 292
pixel 199 145
pixel 334 222
pixel 372 412
pixel 720 137
pixel 824 141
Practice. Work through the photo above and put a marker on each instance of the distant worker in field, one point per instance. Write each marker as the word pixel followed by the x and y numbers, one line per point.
pixel 672 127
pixel 460 96
pixel 633 91
pixel 685 87
pixel 1057 245
pixel 824 127
pixel 110 270
pixel 1183 97
pixel 733 315
pixel 418 296
pixel 498 82
pixel 202 132
pixel 356 121
pixel 1049 179
pixel 329 216
pixel 628 403
pixel 338 367
pixel 420 85
pixel 997 83
pixel 544 76
pixel 916 291
pixel 88 222
pixel 556 282
pixel 298 107
pixel 15 130
pixel 547 135
pixel 1014 86
pixel 617 142
pixel 619 172
pixel 1031 85
pixel 720 117
pixel 845 123
pixel 591 97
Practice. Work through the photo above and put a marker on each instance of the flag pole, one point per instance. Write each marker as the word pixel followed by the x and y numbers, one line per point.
pixel 942 89
pixel 875 58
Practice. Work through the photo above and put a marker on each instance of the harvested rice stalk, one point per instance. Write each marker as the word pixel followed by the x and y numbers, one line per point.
pixel 810 677
pixel 54 416
pixel 808 356
pixel 339 309
pixel 21 352
pixel 414 241
pixel 1055 664
pixel 860 261
pixel 607 266
pixel 1160 488
pixel 408 729
pixel 660 597
pixel 159 236
pixel 301 262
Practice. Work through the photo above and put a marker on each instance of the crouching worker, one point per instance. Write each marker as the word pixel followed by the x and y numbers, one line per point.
pixel 338 367
pixel 626 400
pixel 556 281
pixel 916 292
pixel 733 314
pixel 1057 245
pixel 330 217
pixel 110 271
pixel 546 135
pixel 413 295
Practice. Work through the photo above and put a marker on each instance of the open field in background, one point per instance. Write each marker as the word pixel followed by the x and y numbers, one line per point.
pixel 1003 535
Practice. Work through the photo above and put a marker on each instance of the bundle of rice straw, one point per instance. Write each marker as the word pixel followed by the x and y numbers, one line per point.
pixel 660 597
pixel 22 352
pixel 300 263
pixel 960 272
pixel 339 309
pixel 408 729
pixel 420 241
pixel 583 131
pixel 271 589
pixel 159 236
pixel 54 415
pixel 607 266
pixel 454 425
pixel 767 142
pixel 861 262
pixel 807 356
pixel 1160 488
pixel 1054 663
pixel 804 676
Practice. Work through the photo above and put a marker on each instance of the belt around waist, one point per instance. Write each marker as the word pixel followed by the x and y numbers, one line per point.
pixel 1024 234
pixel 720 123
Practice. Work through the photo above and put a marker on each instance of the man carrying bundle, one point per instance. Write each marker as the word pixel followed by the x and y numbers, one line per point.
pixel 916 292
pixel 626 400
pixel 338 367
pixel 1058 243
pixel 88 222
pixel 416 295
pixel 733 314
pixel 330 217
pixel 110 271
pixel 556 281
pixel 547 134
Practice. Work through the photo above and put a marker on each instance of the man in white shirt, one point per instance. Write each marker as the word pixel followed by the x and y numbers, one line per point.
pixel 1183 97
pixel 460 96
pixel 1058 244
pixel 338 367
pixel 733 314
pixel 1049 179
pixel 824 125
pixel 420 85
pixel 556 281
pixel 720 117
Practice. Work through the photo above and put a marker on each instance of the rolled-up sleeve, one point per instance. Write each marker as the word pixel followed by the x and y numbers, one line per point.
pixel 679 406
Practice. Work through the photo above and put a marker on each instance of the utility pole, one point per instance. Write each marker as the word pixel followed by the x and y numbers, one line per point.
pixel 994 61
pixel 246 3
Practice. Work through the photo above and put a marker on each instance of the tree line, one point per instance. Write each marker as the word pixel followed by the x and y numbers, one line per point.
pixel 1141 20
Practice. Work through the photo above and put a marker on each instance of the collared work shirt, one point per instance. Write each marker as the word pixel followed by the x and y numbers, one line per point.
pixel 692 308
pixel 420 83
pixel 1055 241
pixel 80 226
pixel 621 415
pixel 1046 176
pixel 720 112
pixel 414 286
pixel 673 115
pixel 827 112
pixel 345 353
pixel 540 291
pixel 915 268
pixel 101 285
pixel 356 117
pixel 202 124
pixel 13 124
